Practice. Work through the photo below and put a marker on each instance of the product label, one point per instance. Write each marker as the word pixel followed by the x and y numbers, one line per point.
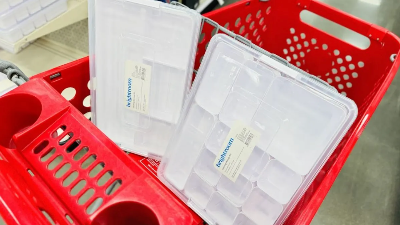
pixel 236 150
pixel 137 86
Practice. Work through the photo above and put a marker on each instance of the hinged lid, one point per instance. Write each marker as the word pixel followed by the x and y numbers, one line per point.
pixel 142 55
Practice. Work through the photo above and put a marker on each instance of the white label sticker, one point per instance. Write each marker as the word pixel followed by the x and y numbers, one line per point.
pixel 235 152
pixel 137 86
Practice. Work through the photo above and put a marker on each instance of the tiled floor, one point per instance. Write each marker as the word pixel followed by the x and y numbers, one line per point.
pixel 367 189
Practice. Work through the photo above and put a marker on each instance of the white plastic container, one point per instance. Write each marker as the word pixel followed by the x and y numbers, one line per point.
pixel 6 5
pixel 34 21
pixel 141 58
pixel 252 136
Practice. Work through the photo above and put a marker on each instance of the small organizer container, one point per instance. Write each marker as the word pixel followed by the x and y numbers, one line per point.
pixel 24 23
pixel 295 122
pixel 142 56
pixel 6 5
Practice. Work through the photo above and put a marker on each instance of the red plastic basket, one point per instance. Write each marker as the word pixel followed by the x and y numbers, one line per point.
pixel 25 194
pixel 34 153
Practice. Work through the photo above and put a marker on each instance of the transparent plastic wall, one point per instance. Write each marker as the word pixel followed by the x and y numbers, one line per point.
pixel 253 136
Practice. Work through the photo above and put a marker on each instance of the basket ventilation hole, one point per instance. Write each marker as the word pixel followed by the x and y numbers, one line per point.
pixel 340 60
pixel 288 41
pixel 86 196
pixel 59 131
pixel 340 86
pixel 69 93
pixel 288 58
pixel 73 146
pixel 349 84
pixel 78 187
pixel 298 64
pixel 258 15
pixel 292 30
pixel 285 51
pixel 329 80
pixel 258 38
pixel 96 170
pixel 94 206
pixel 48 217
pixel 63 170
pixel 86 101
pixel 302 54
pixel 295 57
pixel 313 41
pixel 334 71
pixel 246 36
pixel 227 26
pixel 261 22
pixel 343 69
pixel 81 153
pixel 291 48
pixel 361 64
pixel 248 18
pixel 298 46
pixel 348 58
pixel 105 178
pixel 39 148
pixel 295 39
pixel 88 84
pixel 306 44
pixel 202 37
pixel 352 66
pixel 302 35
pixel 53 164
pixel 214 32
pixel 324 46
pixel 48 155
pixel 336 52
pixel 237 23
pixel 88 161
pixel 68 180
pixel 346 77
pixel 261 44
pixel 69 219
pixel 354 75
pixel 114 187
pixel 201 59
pixel 255 32
pixel 264 28
pixel 344 93
pixel 337 79
pixel 66 138
pixel 268 11
pixel 241 31
pixel 88 115
pixel 30 172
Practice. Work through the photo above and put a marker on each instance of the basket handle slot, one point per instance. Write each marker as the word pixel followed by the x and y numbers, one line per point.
pixel 334 29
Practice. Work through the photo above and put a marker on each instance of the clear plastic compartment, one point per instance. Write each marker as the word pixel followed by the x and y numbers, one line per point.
pixel 294 121
pixel 29 24
pixel 142 76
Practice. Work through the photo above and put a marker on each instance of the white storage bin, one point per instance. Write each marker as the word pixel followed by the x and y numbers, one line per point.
pixel 252 137
pixel 6 5
pixel 19 13
pixel 33 22
pixel 141 57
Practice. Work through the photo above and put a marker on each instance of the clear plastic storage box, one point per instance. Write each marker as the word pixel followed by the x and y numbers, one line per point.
pixel 142 55
pixel 28 23
pixel 252 136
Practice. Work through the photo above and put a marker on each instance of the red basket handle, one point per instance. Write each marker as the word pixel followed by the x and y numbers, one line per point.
pixel 349 21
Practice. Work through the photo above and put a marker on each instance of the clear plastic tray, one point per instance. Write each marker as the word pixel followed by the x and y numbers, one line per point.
pixel 145 43
pixel 30 24
pixel 296 121
pixel 6 5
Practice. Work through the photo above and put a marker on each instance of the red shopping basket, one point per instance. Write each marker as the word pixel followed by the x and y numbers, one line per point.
pixel 58 168
pixel 28 187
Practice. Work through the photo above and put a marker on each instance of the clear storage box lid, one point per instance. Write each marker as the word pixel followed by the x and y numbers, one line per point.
pixel 253 135
pixel 141 56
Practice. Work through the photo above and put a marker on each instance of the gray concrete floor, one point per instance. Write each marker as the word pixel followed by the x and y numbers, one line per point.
pixel 367 190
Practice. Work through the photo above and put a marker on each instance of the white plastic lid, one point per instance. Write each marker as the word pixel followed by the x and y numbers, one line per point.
pixel 253 135
pixel 141 55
